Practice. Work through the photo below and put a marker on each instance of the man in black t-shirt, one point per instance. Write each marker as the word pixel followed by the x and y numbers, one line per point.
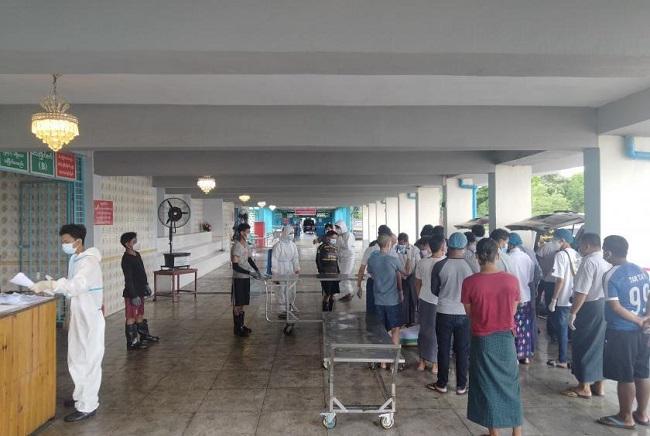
pixel 136 288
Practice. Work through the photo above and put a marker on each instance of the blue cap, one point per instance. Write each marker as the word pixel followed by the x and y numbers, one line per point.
pixel 457 240
pixel 515 239
pixel 564 234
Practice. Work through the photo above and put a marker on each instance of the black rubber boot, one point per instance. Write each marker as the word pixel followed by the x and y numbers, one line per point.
pixel 243 326
pixel 132 340
pixel 325 306
pixel 330 305
pixel 143 330
pixel 239 326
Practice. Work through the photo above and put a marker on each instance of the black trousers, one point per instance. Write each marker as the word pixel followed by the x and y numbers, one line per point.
pixel 458 327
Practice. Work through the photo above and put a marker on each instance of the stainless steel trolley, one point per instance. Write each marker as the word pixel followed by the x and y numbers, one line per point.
pixel 359 338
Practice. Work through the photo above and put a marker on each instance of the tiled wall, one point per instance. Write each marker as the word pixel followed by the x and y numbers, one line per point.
pixel 196 218
pixel 133 202
pixel 9 192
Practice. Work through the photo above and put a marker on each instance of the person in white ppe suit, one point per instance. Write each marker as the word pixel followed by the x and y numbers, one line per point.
pixel 345 250
pixel 284 262
pixel 84 288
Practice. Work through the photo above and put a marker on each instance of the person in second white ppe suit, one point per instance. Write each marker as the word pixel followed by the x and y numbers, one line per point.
pixel 345 250
pixel 84 288
pixel 285 261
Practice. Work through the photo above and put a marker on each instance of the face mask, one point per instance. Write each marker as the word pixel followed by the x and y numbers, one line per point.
pixel 424 253
pixel 503 250
pixel 332 241
pixel 68 248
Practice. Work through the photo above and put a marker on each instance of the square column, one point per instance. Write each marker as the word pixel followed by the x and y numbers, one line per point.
pixel 381 213
pixel 615 193
pixel 366 222
pixel 510 195
pixel 458 203
pixel 427 205
pixel 372 221
pixel 407 217
pixel 392 213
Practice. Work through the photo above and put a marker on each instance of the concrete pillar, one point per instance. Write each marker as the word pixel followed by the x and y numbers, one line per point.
pixel 510 195
pixel 407 217
pixel 427 205
pixel 213 214
pixel 615 199
pixel 372 221
pixel 381 213
pixel 392 213
pixel 458 204
pixel 365 209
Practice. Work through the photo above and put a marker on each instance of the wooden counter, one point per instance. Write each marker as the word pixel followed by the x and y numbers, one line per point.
pixel 27 367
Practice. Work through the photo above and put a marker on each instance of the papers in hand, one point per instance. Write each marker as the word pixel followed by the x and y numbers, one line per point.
pixel 21 279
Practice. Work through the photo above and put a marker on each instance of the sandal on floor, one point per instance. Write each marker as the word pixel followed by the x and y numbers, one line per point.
pixel 573 394
pixel 638 421
pixel 435 387
pixel 556 364
pixel 614 421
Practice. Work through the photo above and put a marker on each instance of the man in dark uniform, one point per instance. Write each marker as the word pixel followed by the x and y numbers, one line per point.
pixel 243 267
pixel 327 263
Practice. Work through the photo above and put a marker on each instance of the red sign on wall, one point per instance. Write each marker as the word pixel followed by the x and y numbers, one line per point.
pixel 306 211
pixel 103 212
pixel 66 166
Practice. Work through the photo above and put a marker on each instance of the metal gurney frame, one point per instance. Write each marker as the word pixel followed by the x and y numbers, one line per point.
pixel 286 283
pixel 359 338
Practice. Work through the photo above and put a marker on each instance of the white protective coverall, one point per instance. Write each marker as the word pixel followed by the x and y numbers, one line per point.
pixel 285 261
pixel 345 251
pixel 84 287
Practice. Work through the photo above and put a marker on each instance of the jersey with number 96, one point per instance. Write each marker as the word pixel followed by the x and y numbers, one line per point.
pixel 629 285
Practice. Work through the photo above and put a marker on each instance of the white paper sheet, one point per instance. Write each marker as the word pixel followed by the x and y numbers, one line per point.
pixel 21 279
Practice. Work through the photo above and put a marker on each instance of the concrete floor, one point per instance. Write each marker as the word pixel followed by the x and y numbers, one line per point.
pixel 201 380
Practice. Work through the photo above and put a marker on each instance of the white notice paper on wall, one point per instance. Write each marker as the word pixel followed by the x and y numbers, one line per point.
pixel 21 279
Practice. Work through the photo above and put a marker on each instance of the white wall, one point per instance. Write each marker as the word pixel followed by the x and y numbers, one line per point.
pixel 381 214
pixel 510 194
pixel 366 222
pixel 428 206
pixel 392 213
pixel 616 195
pixel 372 221
pixel 458 205
pixel 407 217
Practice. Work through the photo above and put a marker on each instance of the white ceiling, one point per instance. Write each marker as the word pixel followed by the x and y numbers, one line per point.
pixel 326 90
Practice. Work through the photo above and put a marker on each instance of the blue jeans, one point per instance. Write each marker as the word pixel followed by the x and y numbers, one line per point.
pixel 458 327
pixel 560 320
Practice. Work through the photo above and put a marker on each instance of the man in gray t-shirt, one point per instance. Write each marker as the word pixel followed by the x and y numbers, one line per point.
pixel 451 319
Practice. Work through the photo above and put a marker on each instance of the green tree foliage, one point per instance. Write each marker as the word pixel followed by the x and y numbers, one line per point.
pixel 550 193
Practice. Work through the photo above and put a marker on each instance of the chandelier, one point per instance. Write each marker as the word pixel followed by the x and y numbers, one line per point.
pixel 261 203
pixel 244 198
pixel 206 184
pixel 54 127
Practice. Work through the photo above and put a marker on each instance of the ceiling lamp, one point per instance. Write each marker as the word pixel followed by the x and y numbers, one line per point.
pixel 261 203
pixel 54 127
pixel 244 198
pixel 272 207
pixel 206 184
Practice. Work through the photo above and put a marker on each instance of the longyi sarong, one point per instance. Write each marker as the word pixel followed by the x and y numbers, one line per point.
pixel 524 326
pixel 427 339
pixel 494 399
pixel 588 342
pixel 409 305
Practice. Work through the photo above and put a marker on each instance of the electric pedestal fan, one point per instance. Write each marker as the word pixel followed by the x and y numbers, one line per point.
pixel 173 213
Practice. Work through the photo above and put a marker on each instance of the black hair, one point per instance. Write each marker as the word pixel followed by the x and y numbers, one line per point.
pixel 436 242
pixel 402 237
pixel 478 230
pixel 617 245
pixel 486 250
pixel 591 239
pixel 427 231
pixel 240 228
pixel 331 233
pixel 422 243
pixel 127 237
pixel 77 231
pixel 384 230
pixel 439 230
pixel 329 225
pixel 471 237
pixel 499 235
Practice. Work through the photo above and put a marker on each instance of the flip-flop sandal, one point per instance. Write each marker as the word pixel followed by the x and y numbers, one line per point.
pixel 573 394
pixel 436 388
pixel 638 421
pixel 614 421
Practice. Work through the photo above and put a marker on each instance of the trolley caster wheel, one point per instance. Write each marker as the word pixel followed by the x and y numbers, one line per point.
pixel 329 423
pixel 387 421
pixel 288 329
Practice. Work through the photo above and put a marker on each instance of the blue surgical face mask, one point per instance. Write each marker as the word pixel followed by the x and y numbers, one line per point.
pixel 68 248
pixel 503 250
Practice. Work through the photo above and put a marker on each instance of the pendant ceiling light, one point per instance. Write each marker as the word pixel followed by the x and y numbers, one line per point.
pixel 261 203
pixel 272 207
pixel 54 127
pixel 206 184
pixel 244 198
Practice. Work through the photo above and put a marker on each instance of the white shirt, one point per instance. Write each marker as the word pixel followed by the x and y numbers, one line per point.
pixel 523 268
pixel 546 255
pixel 589 278
pixel 412 255
pixel 565 265
pixel 423 273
